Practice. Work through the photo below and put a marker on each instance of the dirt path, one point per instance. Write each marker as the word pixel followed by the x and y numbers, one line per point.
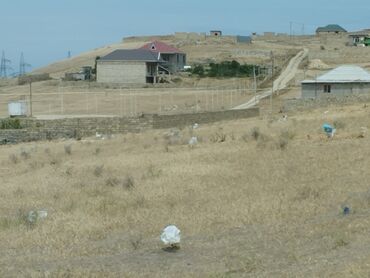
pixel 280 83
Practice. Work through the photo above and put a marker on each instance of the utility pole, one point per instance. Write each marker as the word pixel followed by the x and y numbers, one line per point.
pixel 272 78
pixel 291 29
pixel 30 98
pixel 255 84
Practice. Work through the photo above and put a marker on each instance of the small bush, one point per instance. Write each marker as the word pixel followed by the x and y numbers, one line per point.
pixel 128 182
pixel 68 149
pixel 10 124
pixel 98 171
pixel 287 134
pixel 97 151
pixel 283 143
pixel 25 155
pixel 152 172
pixel 255 133
pixel 218 137
pixel 136 242
pixel 13 158
pixel 112 182
pixel 339 124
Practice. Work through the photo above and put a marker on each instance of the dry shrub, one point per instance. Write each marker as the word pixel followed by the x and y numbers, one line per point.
pixel 97 151
pixel 284 138
pixel 136 242
pixel 339 124
pixel 255 133
pixel 68 149
pixel 98 170
pixel 152 172
pixel 307 192
pixel 283 143
pixel 127 182
pixel 218 137
pixel 14 158
pixel 25 155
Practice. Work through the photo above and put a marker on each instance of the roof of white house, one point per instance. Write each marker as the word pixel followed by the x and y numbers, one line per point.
pixel 343 74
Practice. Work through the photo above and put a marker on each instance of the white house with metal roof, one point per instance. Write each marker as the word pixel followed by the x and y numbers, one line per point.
pixel 341 81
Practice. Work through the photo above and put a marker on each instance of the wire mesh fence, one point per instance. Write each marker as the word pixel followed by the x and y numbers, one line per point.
pixel 85 101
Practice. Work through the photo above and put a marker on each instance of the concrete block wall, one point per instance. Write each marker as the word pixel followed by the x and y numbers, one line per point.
pixel 35 130
pixel 121 72
pixel 308 104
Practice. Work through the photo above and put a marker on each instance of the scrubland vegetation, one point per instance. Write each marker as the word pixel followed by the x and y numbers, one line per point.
pixel 258 197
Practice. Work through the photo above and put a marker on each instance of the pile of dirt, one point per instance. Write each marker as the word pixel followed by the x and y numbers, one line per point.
pixel 317 64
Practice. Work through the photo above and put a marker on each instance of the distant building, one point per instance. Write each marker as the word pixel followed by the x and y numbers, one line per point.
pixel 128 66
pixel 174 59
pixel 360 38
pixel 244 39
pixel 330 29
pixel 341 81
pixel 215 33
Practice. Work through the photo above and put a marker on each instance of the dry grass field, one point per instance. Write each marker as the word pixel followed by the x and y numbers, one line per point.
pixel 255 198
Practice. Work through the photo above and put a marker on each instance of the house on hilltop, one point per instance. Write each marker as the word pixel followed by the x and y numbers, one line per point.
pixel 341 81
pixel 360 38
pixel 215 33
pixel 128 66
pixel 173 59
pixel 330 29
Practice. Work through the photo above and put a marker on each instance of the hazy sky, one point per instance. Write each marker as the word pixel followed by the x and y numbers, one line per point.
pixel 45 30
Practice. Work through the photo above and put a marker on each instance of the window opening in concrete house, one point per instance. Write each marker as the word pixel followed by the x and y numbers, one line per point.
pixel 327 88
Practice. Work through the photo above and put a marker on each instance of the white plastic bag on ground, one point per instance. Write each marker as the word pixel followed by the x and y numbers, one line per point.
pixel 193 141
pixel 171 235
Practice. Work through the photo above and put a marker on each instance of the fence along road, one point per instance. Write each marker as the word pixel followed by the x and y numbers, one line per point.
pixel 280 83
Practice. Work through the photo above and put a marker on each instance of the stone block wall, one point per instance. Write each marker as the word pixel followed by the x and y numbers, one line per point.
pixel 36 130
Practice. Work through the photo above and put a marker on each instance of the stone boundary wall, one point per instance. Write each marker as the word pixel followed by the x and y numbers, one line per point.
pixel 307 104
pixel 36 130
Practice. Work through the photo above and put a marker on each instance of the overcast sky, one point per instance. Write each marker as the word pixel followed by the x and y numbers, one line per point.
pixel 45 30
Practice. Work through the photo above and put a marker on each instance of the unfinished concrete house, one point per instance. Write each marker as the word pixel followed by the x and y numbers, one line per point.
pixel 360 38
pixel 331 29
pixel 341 81
pixel 128 66
pixel 173 59
pixel 215 33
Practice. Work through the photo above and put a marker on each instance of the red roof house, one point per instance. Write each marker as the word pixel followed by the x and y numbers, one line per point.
pixel 175 59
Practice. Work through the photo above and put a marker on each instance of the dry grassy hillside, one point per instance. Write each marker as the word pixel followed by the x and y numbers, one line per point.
pixel 209 50
pixel 255 198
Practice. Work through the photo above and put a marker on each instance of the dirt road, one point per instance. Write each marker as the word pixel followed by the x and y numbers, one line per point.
pixel 280 83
